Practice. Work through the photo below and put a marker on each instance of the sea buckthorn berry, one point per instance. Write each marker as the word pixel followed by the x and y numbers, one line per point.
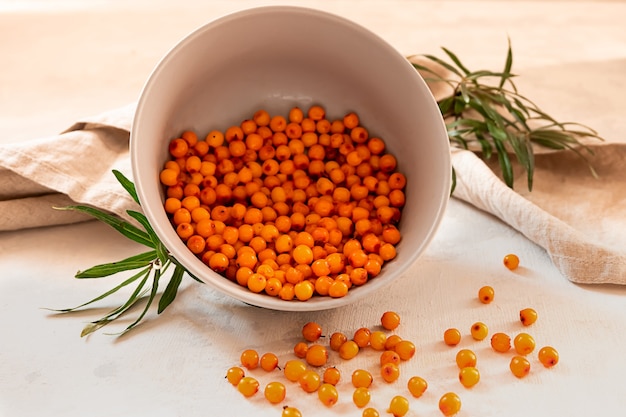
pixel 528 316
pixel 290 412
pixel 370 412
pixel 377 340
pixel 465 358
pixel 519 366
pixel 479 331
pixel 390 320
pixel 469 376
pixel 405 349
pixel 548 356
pixel 501 342
pixel 294 369
pixel 449 404
pixel 300 349
pixel 389 356
pixel 390 372
pixel 304 290
pixel 250 358
pixel 362 378
pixel 309 381
pixel 328 394
pixel 398 406
pixel 511 261
pixel 392 341
pixel 417 386
pixel 331 376
pixel 234 375
pixel 275 392
pixel 348 350
pixel 316 355
pixel 524 343
pixel 316 113
pixel 311 331
pixel 248 386
pixel 486 294
pixel 336 340
pixel 452 337
pixel 268 362
pixel 362 337
pixel 361 397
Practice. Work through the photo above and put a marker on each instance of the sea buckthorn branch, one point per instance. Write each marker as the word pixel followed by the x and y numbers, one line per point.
pixel 496 119
pixel 153 263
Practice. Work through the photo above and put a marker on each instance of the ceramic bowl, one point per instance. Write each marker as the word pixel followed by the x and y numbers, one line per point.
pixel 275 58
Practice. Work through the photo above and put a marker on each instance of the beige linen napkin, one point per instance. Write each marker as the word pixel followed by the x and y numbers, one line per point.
pixel 577 218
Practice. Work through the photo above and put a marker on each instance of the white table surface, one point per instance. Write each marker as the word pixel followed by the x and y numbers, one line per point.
pixel 63 60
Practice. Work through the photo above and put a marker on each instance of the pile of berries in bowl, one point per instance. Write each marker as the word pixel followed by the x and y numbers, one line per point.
pixel 290 158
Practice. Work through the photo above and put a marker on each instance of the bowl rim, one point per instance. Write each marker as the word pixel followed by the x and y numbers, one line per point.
pixel 224 285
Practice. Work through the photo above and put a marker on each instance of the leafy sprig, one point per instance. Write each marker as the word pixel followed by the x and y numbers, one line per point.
pixel 485 109
pixel 151 264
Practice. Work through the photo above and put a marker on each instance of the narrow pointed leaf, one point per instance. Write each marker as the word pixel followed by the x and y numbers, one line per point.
pixel 444 64
pixel 127 184
pixel 456 60
pixel 153 292
pixel 127 264
pixel 118 224
pixel 172 288
pixel 106 294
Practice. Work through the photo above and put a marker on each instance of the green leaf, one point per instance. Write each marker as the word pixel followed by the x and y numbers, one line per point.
pixel 507 66
pixel 505 163
pixel 172 288
pixel 153 292
pixel 444 64
pixel 127 264
pixel 160 248
pixel 127 184
pixel 115 222
pixel 456 60
pixel 106 294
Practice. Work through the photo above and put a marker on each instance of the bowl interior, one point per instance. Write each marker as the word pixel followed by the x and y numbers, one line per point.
pixel 276 58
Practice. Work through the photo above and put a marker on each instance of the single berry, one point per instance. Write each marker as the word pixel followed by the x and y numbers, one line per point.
pixel 511 261
pixel 452 337
pixel 465 358
pixel 449 404
pixel 248 386
pixel 390 320
pixel 501 342
pixel 524 343
pixel 361 397
pixel 469 376
pixel 519 365
pixel 328 394
pixel 275 392
pixel 234 375
pixel 527 316
pixel 417 386
pixel 398 406
pixel 486 294
pixel 311 331
pixel 548 356
pixel 479 331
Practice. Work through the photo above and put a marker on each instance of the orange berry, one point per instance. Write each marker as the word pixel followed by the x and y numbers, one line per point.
pixel 452 337
pixel 511 261
pixel 548 356
pixel 527 316
pixel 390 320
pixel 519 366
pixel 311 331
pixel 486 294
pixel 449 404
pixel 501 342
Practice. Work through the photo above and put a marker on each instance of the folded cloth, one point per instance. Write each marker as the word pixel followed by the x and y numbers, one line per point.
pixel 577 218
